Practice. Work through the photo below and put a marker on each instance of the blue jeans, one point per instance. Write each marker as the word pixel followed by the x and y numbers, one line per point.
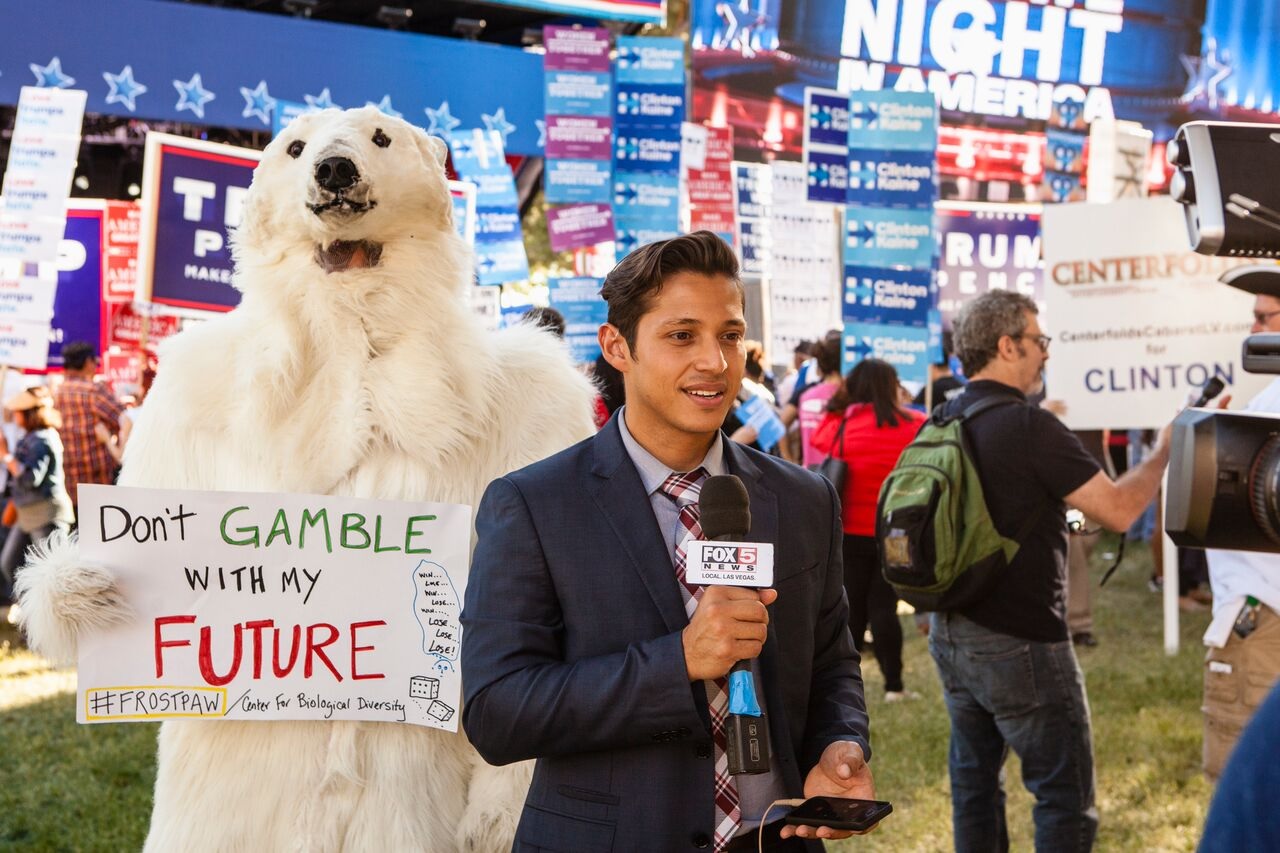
pixel 1003 693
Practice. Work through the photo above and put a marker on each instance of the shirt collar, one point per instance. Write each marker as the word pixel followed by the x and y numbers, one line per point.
pixel 653 473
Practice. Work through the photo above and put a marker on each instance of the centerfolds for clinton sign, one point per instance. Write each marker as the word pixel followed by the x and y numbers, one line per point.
pixel 1138 320
pixel 192 193
pixel 256 606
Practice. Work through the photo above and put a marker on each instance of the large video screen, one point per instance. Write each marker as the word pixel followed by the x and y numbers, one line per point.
pixel 994 66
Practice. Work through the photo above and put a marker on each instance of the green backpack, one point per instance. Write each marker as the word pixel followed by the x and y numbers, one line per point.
pixel 939 548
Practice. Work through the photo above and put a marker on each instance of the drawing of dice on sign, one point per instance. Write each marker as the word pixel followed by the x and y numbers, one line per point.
pixel 422 687
pixel 440 711
pixel 438 609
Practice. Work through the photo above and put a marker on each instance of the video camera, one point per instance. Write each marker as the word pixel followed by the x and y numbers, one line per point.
pixel 1224 468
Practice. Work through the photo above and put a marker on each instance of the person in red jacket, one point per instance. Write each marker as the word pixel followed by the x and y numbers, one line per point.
pixel 876 429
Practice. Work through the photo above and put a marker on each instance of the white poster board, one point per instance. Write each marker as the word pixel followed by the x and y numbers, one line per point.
pixel 1138 320
pixel 258 606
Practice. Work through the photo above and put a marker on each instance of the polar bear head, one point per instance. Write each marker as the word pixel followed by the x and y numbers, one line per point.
pixel 341 186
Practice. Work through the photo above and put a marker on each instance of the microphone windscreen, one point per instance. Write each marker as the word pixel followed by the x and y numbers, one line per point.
pixel 1211 389
pixel 724 508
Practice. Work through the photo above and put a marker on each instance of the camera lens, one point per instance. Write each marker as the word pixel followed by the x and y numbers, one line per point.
pixel 1264 488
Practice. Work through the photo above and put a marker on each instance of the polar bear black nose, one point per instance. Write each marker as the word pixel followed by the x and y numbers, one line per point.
pixel 336 173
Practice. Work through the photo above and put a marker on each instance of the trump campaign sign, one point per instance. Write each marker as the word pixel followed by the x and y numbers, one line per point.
pixel 192 196
pixel 79 314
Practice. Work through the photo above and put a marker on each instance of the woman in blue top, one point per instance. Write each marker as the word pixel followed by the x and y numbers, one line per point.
pixel 36 479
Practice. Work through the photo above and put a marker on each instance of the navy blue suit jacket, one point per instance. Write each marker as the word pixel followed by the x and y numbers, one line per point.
pixel 572 653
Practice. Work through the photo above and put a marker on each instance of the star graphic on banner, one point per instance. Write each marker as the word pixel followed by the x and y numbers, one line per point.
pixel 442 121
pixel 498 121
pixel 192 95
pixel 385 106
pixel 258 102
pixel 124 89
pixel 739 20
pixel 322 101
pixel 542 132
pixel 1205 74
pixel 50 76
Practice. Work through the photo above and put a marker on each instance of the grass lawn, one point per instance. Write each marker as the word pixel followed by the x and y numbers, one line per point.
pixel 83 788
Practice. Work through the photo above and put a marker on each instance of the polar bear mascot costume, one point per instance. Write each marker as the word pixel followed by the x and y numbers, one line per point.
pixel 353 366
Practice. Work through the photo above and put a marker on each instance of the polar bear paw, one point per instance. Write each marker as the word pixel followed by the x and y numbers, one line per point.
pixel 495 798
pixel 488 826
pixel 60 597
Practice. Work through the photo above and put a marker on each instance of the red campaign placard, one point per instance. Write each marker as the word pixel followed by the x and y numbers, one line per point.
pixel 707 187
pixel 719 148
pixel 716 219
pixel 126 327
pixel 122 369
pixel 120 251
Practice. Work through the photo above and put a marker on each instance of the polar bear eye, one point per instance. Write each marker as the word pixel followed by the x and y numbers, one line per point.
pixel 295 148
pixel 380 139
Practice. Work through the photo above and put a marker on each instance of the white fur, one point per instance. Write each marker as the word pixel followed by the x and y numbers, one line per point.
pixel 372 383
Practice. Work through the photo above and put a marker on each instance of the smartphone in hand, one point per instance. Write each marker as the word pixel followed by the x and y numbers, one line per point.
pixel 839 813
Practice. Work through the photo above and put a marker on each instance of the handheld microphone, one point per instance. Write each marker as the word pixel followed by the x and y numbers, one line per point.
pixel 725 515
pixel 1211 389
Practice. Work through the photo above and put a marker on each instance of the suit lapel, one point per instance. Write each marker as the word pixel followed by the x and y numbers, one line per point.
pixel 623 502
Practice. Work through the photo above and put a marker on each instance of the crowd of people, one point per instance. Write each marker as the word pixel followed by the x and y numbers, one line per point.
pixel 55 438
pixel 702 402
pixel 1010 675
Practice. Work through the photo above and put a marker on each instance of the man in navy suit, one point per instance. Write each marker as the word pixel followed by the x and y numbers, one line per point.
pixel 584 648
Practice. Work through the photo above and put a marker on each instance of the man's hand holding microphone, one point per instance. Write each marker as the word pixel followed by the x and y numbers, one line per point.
pixel 730 627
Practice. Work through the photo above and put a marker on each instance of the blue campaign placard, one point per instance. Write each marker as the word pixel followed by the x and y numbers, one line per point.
pixel 884 237
pixel 579 93
pixel 905 347
pixel 756 413
pixel 78 305
pixel 879 178
pixel 827 176
pixel 497 224
pixel 894 121
pixel 643 59
pixel 478 152
pixel 936 352
pixel 648 105
pixel 501 261
pixel 630 239
pixel 650 150
pixel 637 194
pixel 285 112
pixel 890 296
pixel 197 193
pixel 579 180
pixel 827 117
pixel 578 299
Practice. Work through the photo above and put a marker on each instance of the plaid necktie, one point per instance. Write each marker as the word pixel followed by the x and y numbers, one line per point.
pixel 684 489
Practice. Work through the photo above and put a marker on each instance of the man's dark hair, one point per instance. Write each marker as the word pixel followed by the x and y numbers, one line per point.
pixel 632 285
pixel 948 348
pixel 76 353
pixel 546 318
pixel 829 353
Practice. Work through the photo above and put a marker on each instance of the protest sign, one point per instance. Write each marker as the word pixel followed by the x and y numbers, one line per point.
pixel 1138 320
pixel 258 606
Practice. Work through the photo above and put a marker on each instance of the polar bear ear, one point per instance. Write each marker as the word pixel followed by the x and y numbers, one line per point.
pixel 433 148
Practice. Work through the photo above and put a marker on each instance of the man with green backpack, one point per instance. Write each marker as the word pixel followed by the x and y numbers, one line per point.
pixel 972 526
